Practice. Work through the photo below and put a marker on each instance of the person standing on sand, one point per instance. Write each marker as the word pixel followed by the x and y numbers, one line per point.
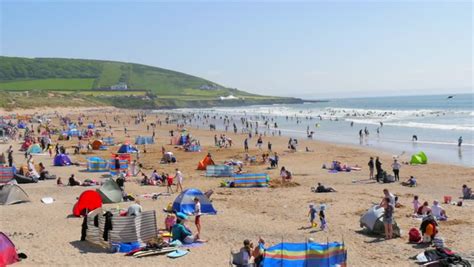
pixel 169 180
pixel 378 167
pixel 246 145
pixel 388 218
pixel 10 156
pixel 371 168
pixel 179 178
pixel 396 169
pixel 197 214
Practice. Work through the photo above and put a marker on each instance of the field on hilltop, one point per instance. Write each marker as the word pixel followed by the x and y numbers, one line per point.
pixel 148 87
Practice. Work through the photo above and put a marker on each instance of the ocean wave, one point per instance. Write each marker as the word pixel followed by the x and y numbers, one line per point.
pixel 412 124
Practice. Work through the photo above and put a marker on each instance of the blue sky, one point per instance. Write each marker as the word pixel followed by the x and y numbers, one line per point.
pixel 307 49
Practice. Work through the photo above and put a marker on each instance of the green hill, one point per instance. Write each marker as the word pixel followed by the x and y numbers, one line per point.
pixel 148 86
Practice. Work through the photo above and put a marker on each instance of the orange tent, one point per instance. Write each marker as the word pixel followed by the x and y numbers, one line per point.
pixel 203 163
pixel 97 144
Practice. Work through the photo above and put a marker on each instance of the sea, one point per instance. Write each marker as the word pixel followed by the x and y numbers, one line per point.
pixel 438 121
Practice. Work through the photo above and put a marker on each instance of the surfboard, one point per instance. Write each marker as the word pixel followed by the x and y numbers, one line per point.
pixel 178 253
pixel 153 252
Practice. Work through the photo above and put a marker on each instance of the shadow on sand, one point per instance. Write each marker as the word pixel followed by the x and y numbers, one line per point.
pixel 86 247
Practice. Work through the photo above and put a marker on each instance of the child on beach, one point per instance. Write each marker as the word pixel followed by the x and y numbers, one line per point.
pixel 322 217
pixel 416 204
pixel 169 180
pixel 170 221
pixel 312 215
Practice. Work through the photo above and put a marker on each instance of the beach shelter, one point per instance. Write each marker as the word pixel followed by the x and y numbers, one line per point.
pixel 35 149
pixel 96 144
pixel 96 164
pixel 306 254
pixel 123 167
pixel 373 221
pixel 89 200
pixel 185 202
pixel 8 253
pixel 205 162
pixel 219 170
pixel 74 132
pixel 12 194
pixel 108 141
pixel 144 140
pixel 419 158
pixel 62 160
pixel 21 125
pixel 251 180
pixel 110 192
pixel 6 174
pixel 127 149
pixel 25 145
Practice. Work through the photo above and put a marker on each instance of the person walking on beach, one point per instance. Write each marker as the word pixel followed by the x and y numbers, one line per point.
pixel 312 215
pixel 179 178
pixel 460 141
pixel 371 168
pixel 378 167
pixel 396 169
pixel 246 145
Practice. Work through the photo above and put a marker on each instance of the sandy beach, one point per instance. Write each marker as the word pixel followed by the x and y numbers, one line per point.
pixel 50 238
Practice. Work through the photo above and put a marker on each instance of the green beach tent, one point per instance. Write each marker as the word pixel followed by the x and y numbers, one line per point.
pixel 419 158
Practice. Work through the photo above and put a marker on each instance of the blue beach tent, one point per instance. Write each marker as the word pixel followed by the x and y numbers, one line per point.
pixel 185 202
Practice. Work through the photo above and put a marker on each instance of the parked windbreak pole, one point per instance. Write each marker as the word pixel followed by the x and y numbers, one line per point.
pixel 281 252
pixel 327 245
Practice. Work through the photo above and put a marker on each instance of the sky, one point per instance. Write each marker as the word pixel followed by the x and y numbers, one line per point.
pixel 306 49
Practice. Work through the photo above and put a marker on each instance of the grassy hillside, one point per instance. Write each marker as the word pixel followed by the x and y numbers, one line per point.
pixel 79 82
pixel 74 74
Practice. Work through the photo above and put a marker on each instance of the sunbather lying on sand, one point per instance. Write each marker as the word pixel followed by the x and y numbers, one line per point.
pixel 322 189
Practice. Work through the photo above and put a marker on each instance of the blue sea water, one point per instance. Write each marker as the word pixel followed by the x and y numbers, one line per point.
pixel 437 121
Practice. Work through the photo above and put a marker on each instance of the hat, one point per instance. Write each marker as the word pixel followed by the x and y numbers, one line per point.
pixel 182 216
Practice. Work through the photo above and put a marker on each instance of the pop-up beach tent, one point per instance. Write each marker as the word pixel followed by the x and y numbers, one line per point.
pixel 306 254
pixel 96 144
pixel 35 149
pixel 62 160
pixel 127 149
pixel 88 201
pixel 373 221
pixel 419 158
pixel 202 165
pixel 185 202
pixel 12 194
pixel 110 192
pixel 8 253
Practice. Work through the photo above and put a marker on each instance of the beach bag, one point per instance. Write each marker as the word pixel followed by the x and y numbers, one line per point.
pixel 414 236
